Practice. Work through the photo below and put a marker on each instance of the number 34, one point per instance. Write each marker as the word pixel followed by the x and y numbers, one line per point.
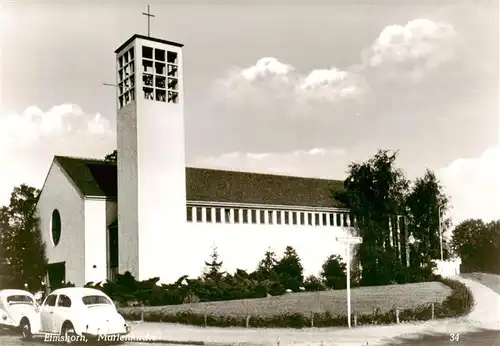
pixel 454 337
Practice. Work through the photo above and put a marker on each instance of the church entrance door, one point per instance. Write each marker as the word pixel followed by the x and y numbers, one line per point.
pixel 57 275
pixel 113 252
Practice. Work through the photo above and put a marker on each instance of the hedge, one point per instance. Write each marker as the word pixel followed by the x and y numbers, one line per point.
pixel 458 303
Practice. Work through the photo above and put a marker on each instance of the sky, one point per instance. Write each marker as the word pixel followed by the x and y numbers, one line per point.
pixel 299 87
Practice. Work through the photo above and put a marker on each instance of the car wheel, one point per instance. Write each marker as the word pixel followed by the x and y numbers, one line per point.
pixel 68 333
pixel 26 329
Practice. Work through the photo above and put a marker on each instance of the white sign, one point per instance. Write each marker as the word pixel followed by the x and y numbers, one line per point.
pixel 350 240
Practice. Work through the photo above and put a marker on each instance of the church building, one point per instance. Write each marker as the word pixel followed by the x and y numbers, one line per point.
pixel 151 215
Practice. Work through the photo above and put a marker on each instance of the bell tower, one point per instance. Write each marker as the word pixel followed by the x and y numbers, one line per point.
pixel 151 152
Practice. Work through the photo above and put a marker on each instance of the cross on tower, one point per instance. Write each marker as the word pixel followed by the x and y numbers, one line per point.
pixel 149 15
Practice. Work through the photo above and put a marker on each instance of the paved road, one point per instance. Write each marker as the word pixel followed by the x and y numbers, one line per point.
pixel 484 338
pixel 13 340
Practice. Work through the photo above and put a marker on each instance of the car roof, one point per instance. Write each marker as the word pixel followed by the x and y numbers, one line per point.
pixel 77 291
pixel 11 292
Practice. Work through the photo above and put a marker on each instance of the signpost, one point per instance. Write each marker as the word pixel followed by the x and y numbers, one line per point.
pixel 348 241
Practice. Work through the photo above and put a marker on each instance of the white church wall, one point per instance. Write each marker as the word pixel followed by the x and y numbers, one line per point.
pixel 242 246
pixel 99 213
pixel 127 187
pixel 59 193
pixel 161 165
pixel 151 170
pixel 162 193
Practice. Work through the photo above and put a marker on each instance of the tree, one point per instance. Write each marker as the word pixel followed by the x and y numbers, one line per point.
pixel 375 192
pixel 213 268
pixel 112 157
pixel 266 269
pixel 23 251
pixel 290 270
pixel 313 283
pixel 334 272
pixel 478 245
pixel 424 203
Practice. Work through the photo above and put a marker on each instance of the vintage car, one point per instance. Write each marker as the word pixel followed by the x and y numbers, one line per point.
pixel 14 305
pixel 76 314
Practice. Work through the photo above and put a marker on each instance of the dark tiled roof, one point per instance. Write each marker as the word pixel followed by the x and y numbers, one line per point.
pixel 99 178
pixel 233 187
pixel 92 177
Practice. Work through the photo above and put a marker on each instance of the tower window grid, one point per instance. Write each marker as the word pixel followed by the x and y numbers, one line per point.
pixel 126 78
pixel 160 75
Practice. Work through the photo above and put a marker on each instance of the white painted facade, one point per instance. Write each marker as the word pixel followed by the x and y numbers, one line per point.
pixel 151 167
pixel 242 246
pixel 60 193
pixel 84 220
pixel 243 233
pixel 99 213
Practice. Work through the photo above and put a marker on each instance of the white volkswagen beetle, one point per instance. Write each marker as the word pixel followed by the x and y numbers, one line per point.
pixel 76 314
pixel 14 305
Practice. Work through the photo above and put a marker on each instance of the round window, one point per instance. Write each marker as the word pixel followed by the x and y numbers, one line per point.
pixel 56 226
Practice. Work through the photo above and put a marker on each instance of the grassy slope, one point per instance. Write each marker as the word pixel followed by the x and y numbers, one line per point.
pixel 363 299
pixel 492 281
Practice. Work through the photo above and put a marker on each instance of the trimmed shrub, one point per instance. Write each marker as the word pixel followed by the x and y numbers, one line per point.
pixel 458 303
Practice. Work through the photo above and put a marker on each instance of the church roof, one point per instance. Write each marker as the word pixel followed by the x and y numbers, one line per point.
pixel 98 178
pixel 95 178
pixel 257 188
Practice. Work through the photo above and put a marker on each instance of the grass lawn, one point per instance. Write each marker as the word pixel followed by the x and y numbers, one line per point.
pixel 363 301
pixel 492 281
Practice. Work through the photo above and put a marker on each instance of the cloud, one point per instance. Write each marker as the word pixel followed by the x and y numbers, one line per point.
pixel 266 67
pixel 474 186
pixel 420 41
pixel 274 96
pixel 29 140
pixel 419 45
pixel 272 80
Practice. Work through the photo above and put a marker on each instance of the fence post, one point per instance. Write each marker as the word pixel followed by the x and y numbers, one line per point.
pixel 318 303
pixel 248 321
pixel 205 319
pixel 432 310
pixel 397 315
pixel 312 319
pixel 355 319
pixel 142 312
